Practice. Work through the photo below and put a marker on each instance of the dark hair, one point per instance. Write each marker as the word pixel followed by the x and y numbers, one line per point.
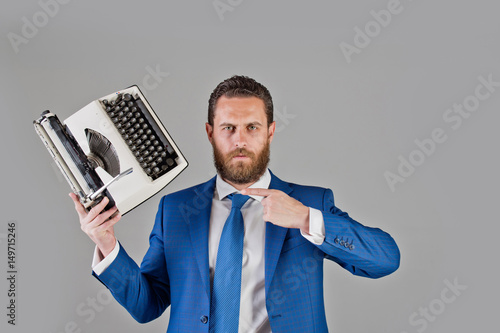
pixel 240 86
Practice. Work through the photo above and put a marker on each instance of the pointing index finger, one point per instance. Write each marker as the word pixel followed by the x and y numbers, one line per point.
pixel 263 192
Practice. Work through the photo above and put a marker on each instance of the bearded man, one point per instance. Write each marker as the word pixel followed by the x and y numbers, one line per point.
pixel 244 251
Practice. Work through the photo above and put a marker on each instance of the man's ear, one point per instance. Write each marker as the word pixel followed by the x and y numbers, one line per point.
pixel 270 130
pixel 210 131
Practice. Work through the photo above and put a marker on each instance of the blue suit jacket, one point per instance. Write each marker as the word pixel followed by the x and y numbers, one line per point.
pixel 175 270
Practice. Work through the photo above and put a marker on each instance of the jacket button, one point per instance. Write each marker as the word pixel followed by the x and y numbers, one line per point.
pixel 336 240
pixel 351 247
pixel 204 319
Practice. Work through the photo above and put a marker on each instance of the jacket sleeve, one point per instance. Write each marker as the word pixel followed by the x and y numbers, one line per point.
pixel 144 291
pixel 363 251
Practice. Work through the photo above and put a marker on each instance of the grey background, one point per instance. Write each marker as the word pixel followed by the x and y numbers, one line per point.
pixel 347 125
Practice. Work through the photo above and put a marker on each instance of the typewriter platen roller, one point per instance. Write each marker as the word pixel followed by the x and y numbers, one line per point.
pixel 115 146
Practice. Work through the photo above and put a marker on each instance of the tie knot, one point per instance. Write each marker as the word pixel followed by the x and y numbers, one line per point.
pixel 238 200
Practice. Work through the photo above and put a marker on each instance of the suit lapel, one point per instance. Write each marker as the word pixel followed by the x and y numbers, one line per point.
pixel 275 235
pixel 199 221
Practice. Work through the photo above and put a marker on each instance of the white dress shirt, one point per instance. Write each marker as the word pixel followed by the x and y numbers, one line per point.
pixel 253 313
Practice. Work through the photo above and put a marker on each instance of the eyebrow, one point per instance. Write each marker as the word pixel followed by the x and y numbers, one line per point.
pixel 249 124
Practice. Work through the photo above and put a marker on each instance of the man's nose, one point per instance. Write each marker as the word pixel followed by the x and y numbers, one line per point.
pixel 240 137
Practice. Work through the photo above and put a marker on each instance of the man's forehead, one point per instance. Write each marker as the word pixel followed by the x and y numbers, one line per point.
pixel 239 107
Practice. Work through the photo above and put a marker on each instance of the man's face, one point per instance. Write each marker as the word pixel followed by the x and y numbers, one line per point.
pixel 240 138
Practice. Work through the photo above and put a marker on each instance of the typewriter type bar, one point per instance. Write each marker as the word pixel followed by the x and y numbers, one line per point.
pixel 104 142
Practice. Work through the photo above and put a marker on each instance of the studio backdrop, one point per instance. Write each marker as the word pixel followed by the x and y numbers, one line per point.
pixel 393 104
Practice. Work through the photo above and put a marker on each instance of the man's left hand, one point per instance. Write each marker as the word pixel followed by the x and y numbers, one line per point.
pixel 281 209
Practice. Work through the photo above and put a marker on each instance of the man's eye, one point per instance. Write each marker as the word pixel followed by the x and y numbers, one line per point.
pixel 252 127
pixel 228 128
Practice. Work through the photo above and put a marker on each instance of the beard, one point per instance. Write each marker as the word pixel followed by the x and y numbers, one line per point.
pixel 240 172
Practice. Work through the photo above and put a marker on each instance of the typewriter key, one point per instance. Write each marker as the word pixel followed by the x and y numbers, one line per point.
pixel 156 170
pixel 105 101
pixel 170 162
pixel 118 98
pixel 127 97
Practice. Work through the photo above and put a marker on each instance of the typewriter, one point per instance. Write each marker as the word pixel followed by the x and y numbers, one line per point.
pixel 116 147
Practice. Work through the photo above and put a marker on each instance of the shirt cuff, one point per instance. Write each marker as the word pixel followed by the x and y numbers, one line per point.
pixel 99 264
pixel 316 227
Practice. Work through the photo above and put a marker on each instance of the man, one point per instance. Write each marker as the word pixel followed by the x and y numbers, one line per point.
pixel 286 231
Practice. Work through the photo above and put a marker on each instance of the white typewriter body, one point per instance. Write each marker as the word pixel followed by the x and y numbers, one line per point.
pixel 135 187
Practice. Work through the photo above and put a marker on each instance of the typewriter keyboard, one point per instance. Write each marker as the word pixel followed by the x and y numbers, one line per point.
pixel 141 133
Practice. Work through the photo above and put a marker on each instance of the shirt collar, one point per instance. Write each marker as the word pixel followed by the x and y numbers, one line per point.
pixel 224 189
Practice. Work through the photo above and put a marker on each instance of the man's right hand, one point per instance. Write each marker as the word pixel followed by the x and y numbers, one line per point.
pixel 99 227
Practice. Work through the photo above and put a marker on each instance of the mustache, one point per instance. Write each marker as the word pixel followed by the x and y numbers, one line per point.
pixel 239 152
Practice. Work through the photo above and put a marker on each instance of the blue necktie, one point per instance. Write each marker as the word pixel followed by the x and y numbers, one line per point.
pixel 225 299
